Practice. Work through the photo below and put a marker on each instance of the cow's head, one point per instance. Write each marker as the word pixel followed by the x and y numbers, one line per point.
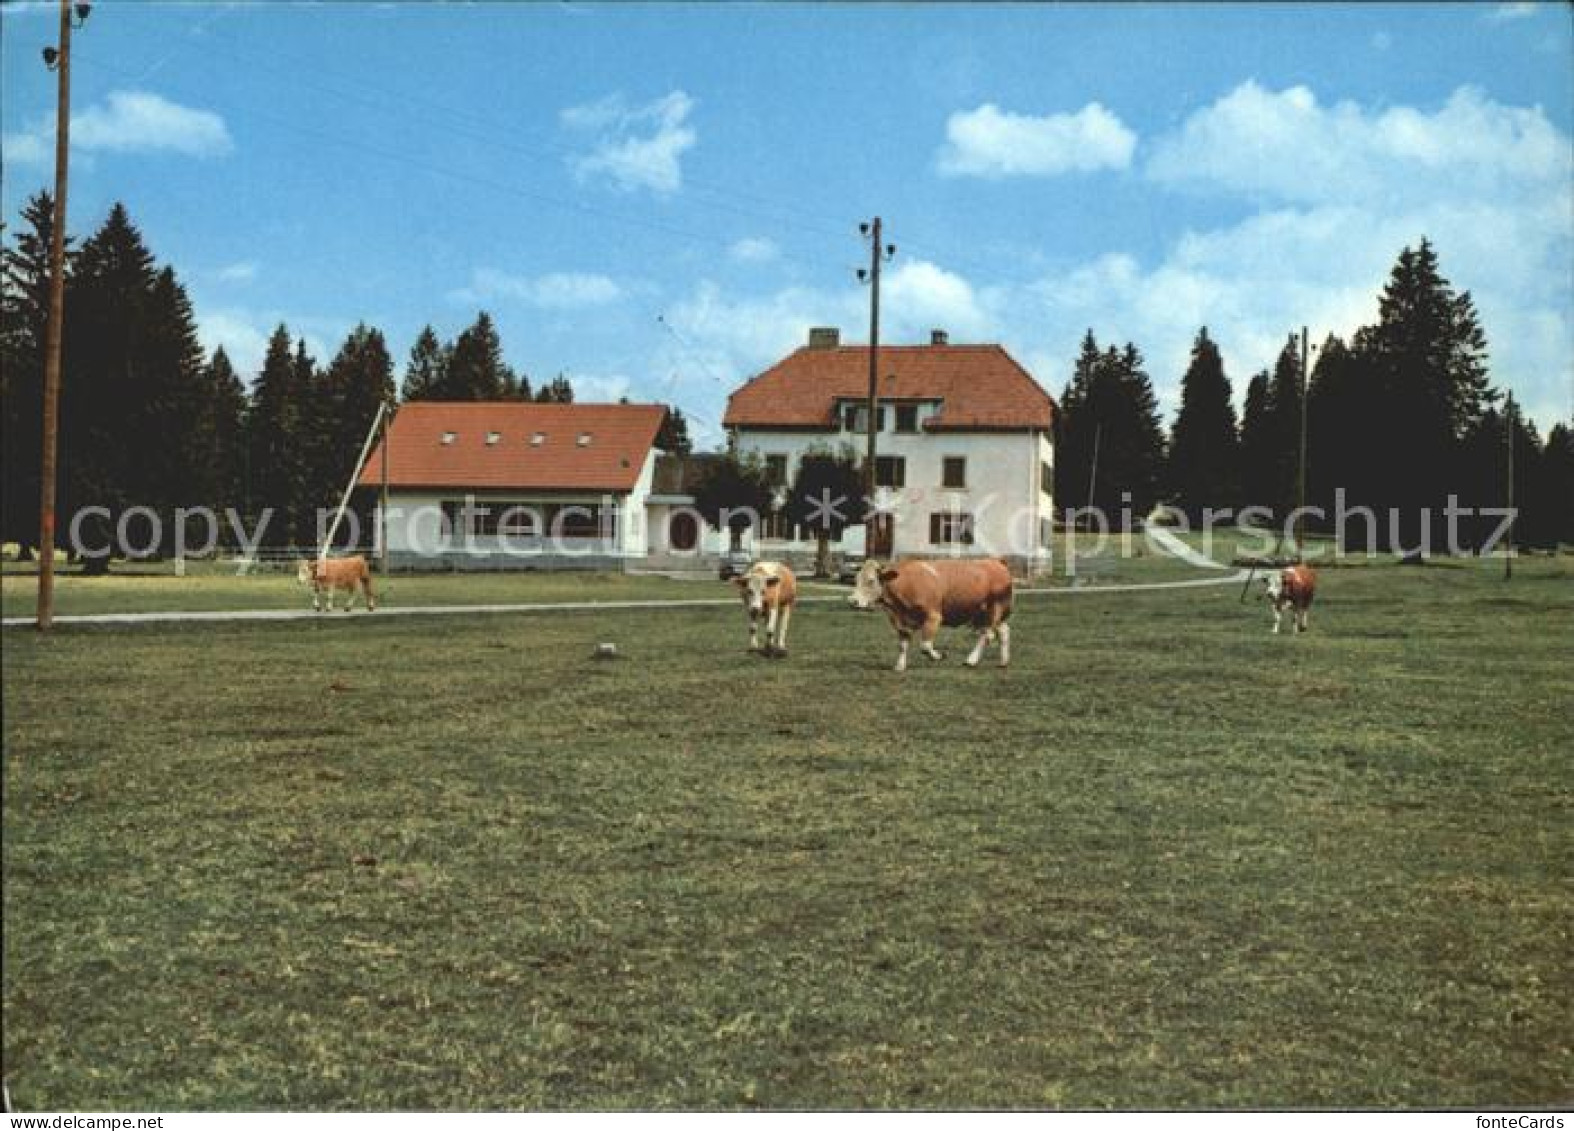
pixel 754 585
pixel 869 585
pixel 1273 586
pixel 304 572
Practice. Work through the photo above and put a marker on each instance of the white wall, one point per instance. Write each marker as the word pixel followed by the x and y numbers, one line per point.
pixel 1002 487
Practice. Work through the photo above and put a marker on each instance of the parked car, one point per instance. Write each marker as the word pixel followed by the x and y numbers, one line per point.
pixel 847 569
pixel 735 563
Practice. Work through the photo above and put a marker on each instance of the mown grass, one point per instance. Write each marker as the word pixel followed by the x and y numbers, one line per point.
pixel 1165 860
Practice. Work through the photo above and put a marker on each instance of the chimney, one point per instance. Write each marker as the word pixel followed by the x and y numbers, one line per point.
pixel 939 338
pixel 824 337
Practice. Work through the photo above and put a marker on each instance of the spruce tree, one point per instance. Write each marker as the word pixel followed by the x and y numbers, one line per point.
pixel 673 437
pixel 24 316
pixel 1203 460
pixel 476 370
pixel 426 373
pixel 1258 463
pixel 108 376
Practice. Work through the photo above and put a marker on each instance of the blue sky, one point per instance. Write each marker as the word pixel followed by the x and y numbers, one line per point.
pixel 658 200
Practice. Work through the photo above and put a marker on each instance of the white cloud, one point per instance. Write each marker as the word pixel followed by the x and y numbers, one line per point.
pixel 1505 13
pixel 128 121
pixel 990 142
pixel 599 388
pixel 1286 145
pixel 754 249
pixel 919 296
pixel 1344 189
pixel 553 291
pixel 237 273
pixel 638 147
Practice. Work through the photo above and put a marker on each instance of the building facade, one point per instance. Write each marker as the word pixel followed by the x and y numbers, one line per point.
pixel 499 485
pixel 963 437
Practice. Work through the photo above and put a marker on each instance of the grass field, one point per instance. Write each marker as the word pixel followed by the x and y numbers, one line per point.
pixel 1165 860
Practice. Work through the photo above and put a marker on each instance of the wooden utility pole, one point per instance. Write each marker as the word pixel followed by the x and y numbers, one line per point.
pixel 382 508
pixel 60 60
pixel 1508 555
pixel 1300 474
pixel 877 253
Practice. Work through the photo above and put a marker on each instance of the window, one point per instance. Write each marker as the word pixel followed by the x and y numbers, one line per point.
pixel 538 439
pixel 576 520
pixel 949 528
pixel 776 470
pixel 907 418
pixel 1046 477
pixel 775 525
pixel 855 417
pixel 584 439
pixel 450 437
pixel 517 520
pixel 492 438
pixel 890 471
pixel 953 471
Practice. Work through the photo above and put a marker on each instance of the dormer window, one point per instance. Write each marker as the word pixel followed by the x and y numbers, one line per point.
pixel 492 438
pixel 449 437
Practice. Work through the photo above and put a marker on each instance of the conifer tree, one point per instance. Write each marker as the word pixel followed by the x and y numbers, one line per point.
pixel 1203 459
pixel 24 315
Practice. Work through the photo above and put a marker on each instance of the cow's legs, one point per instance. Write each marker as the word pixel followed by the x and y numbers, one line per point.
pixel 771 618
pixel 926 639
pixel 371 597
pixel 781 630
pixel 901 655
pixel 1300 619
pixel 1003 634
pixel 978 649
pixel 754 631
pixel 1278 615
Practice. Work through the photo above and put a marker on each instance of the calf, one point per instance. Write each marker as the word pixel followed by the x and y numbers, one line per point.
pixel 326 575
pixel 920 596
pixel 769 590
pixel 1293 588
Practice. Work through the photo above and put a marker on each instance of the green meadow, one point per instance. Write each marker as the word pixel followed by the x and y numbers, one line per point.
pixel 1165 860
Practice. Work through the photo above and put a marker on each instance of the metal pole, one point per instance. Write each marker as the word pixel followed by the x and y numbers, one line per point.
pixel 52 336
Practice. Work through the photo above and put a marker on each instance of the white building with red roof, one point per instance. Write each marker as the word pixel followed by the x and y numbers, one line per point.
pixel 492 483
pixel 964 445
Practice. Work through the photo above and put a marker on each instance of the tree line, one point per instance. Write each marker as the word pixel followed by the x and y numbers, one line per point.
pixel 148 419
pixel 1400 420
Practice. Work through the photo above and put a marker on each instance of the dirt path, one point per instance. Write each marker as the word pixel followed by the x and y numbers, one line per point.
pixel 239 615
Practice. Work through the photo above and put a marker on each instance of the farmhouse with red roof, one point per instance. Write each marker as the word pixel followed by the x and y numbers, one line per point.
pixel 965 454
pixel 500 482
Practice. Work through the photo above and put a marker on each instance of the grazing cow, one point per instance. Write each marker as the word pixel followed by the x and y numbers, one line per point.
pixel 329 575
pixel 1293 588
pixel 920 596
pixel 770 590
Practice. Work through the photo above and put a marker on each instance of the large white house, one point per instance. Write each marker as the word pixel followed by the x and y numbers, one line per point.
pixel 964 450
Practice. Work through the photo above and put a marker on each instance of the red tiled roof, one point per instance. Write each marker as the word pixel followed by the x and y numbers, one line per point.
pixel 621 437
pixel 980 387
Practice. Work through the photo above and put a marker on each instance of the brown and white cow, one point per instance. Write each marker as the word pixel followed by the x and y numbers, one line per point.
pixel 769 591
pixel 1293 588
pixel 327 575
pixel 920 596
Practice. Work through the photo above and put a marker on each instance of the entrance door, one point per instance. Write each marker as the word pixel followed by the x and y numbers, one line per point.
pixel 882 535
pixel 683 532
